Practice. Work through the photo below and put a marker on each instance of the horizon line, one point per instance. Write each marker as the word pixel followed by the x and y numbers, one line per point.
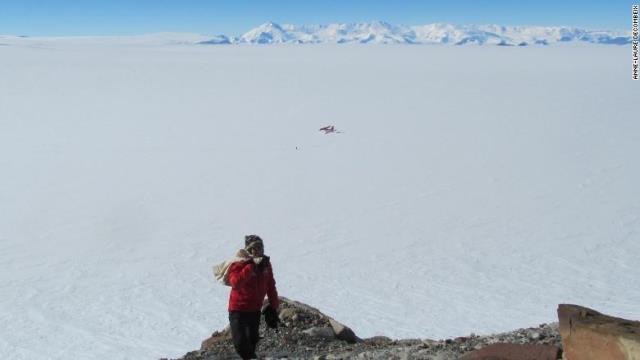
pixel 168 31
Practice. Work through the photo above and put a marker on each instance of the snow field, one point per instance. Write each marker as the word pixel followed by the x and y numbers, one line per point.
pixel 473 189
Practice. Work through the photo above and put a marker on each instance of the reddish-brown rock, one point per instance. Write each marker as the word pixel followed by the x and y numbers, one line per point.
pixel 515 352
pixel 590 335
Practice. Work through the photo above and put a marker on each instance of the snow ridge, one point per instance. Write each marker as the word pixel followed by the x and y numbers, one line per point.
pixel 381 32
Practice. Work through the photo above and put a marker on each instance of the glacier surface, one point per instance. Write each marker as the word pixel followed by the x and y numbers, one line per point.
pixel 472 189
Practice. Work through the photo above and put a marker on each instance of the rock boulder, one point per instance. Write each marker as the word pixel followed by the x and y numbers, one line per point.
pixel 590 335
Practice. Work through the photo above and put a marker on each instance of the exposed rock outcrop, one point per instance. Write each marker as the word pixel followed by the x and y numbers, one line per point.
pixel 307 333
pixel 590 335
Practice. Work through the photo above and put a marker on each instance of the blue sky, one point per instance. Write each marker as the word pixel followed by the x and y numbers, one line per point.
pixel 122 17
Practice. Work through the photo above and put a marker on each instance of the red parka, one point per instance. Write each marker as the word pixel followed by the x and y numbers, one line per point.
pixel 249 286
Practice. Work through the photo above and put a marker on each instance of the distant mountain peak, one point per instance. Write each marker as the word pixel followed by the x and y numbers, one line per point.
pixel 270 25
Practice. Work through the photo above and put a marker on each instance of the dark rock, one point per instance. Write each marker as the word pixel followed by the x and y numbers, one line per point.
pixel 378 341
pixel 343 332
pixel 216 338
pixel 320 332
pixel 515 352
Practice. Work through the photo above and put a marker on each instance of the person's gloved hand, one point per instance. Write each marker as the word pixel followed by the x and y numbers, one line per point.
pixel 271 317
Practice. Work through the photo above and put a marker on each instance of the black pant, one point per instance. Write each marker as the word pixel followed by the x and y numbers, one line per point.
pixel 244 330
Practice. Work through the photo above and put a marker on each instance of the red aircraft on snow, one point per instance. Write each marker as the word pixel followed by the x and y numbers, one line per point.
pixel 328 129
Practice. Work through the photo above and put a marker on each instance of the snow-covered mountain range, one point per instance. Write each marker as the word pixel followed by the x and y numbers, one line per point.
pixel 354 33
pixel 385 33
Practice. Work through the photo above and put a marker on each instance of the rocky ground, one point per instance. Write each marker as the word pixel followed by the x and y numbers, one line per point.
pixel 306 333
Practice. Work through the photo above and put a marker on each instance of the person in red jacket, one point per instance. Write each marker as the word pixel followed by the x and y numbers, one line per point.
pixel 250 281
